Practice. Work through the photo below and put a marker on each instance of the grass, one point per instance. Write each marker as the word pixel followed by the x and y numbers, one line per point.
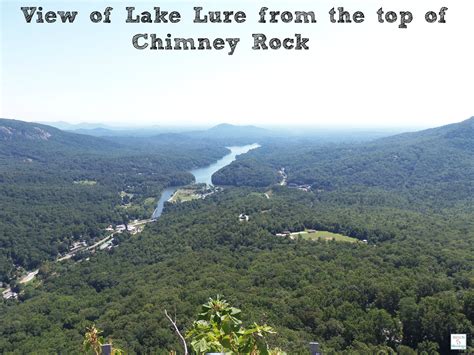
pixel 327 236
pixel 184 195
pixel 34 282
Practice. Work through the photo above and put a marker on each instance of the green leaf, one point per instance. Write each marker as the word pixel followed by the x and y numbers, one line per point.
pixel 200 346
pixel 234 311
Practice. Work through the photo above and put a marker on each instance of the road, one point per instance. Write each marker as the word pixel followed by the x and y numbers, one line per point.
pixel 105 240
pixel 7 294
pixel 29 277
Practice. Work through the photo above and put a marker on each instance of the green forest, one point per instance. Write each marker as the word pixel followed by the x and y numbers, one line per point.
pixel 403 287
pixel 59 187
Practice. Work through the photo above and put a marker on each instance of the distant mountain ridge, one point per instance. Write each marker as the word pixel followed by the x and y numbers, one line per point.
pixel 434 162
pixel 26 138
pixel 232 134
pixel 453 134
pixel 104 130
pixel 35 140
pixel 13 130
pixel 233 129
pixel 66 126
pixel 223 130
pixel 235 134
pixel 440 155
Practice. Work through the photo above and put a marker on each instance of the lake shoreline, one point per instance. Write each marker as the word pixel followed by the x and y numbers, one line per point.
pixel 204 175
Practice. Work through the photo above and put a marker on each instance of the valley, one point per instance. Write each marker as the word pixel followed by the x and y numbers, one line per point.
pixel 364 247
pixel 202 176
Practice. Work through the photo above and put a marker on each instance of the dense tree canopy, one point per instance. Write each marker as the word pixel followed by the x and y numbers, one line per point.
pixel 406 289
pixel 58 187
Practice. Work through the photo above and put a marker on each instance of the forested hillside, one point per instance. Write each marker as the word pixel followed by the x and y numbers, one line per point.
pixel 435 165
pixel 58 187
pixel 413 288
pixel 401 281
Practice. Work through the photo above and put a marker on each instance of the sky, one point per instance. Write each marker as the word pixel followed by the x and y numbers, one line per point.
pixel 353 75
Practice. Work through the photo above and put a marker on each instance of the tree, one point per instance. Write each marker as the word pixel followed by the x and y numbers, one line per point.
pixel 409 316
pixel 428 348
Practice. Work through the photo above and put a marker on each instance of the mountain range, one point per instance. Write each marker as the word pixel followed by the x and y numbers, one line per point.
pixel 363 247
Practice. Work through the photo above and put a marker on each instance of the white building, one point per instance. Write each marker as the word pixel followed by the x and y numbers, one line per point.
pixel 243 218
pixel 120 228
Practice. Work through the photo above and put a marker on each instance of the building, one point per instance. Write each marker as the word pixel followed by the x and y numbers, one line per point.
pixel 120 228
pixel 9 294
pixel 284 234
pixel 243 218
pixel 107 245
pixel 77 245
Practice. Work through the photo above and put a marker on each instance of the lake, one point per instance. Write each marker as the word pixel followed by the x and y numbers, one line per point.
pixel 204 175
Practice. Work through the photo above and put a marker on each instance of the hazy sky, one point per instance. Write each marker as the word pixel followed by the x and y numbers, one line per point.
pixel 353 75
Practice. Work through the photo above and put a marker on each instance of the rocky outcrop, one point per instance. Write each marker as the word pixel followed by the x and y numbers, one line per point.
pixel 35 133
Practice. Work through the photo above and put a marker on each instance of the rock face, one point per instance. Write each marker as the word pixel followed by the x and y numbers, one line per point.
pixel 33 133
pixel 31 139
pixel 42 134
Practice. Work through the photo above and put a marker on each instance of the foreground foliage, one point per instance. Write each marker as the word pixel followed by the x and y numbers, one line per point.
pixel 219 329
pixel 93 342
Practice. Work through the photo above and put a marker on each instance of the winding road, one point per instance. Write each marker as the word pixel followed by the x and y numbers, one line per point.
pixel 7 294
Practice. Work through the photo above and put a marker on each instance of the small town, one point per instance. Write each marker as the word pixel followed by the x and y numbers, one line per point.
pixel 104 244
